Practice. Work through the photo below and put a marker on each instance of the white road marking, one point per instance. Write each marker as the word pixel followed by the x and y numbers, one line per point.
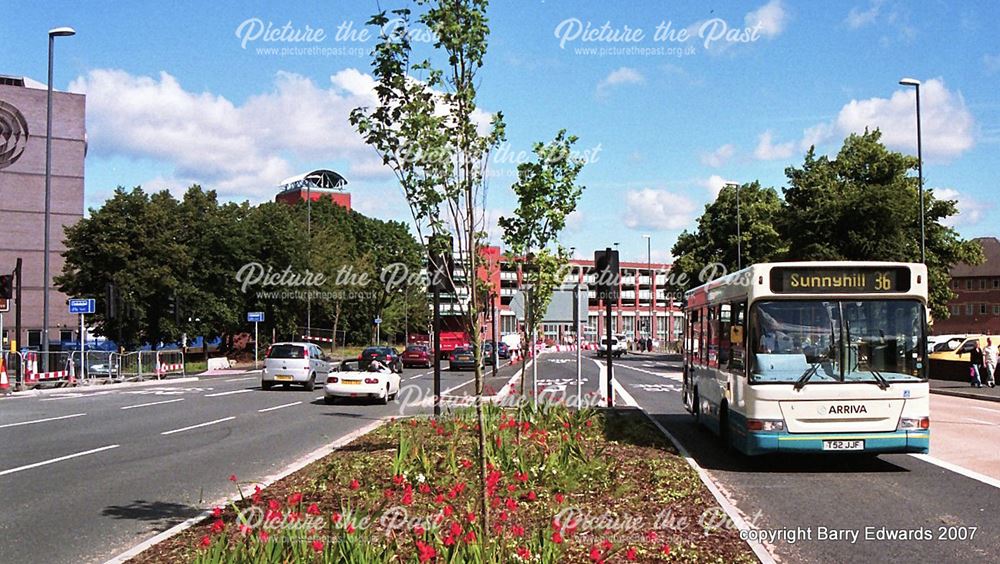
pixel 152 403
pixel 77 395
pixel 980 421
pixel 241 379
pixel 959 470
pixel 229 393
pixel 266 409
pixel 41 420
pixel 54 460
pixel 984 409
pixel 207 423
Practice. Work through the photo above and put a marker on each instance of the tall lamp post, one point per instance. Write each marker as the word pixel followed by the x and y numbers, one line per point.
pixel 649 272
pixel 739 227
pixel 920 167
pixel 53 33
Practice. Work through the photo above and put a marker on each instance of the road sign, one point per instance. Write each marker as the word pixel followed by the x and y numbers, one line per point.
pixel 560 308
pixel 517 302
pixel 255 316
pixel 378 320
pixel 4 305
pixel 82 306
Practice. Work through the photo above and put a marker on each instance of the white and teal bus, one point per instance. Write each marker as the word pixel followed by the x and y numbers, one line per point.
pixel 811 357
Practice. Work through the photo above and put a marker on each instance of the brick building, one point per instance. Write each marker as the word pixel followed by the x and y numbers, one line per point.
pixel 976 308
pixel 314 185
pixel 22 198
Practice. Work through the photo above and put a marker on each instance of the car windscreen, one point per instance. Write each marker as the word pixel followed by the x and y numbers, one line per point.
pixel 416 348
pixel 286 351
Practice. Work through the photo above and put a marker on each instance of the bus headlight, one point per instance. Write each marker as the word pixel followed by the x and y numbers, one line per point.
pixel 765 425
pixel 915 423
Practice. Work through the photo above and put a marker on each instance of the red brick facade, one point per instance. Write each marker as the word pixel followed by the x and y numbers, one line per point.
pixel 976 308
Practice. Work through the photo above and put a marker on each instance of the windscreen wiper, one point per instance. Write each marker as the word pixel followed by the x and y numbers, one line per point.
pixel 880 380
pixel 810 372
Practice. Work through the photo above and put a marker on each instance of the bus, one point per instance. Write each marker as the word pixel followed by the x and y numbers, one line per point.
pixel 811 357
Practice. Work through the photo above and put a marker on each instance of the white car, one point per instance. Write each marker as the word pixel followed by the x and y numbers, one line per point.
pixel 294 363
pixel 619 346
pixel 349 381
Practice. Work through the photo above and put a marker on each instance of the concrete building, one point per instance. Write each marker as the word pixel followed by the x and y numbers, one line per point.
pixel 22 198
pixel 314 185
pixel 976 307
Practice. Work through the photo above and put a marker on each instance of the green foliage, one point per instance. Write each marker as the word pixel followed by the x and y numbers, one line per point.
pixel 862 205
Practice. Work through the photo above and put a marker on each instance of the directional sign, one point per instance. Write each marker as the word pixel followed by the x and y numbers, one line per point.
pixel 255 316
pixel 82 306
pixel 378 320
pixel 517 302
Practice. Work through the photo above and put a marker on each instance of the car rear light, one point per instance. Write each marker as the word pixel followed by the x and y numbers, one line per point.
pixel 267 354
pixel 371 380
pixel 305 353
pixel 765 425
pixel 452 357
pixel 332 380
pixel 915 423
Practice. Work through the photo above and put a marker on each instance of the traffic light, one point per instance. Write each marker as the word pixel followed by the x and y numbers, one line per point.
pixel 7 286
pixel 607 274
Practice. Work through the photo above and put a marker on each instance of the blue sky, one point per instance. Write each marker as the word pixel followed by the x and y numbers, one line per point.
pixel 176 96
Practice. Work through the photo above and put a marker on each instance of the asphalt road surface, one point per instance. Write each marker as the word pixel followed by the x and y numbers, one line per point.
pixel 801 496
pixel 87 473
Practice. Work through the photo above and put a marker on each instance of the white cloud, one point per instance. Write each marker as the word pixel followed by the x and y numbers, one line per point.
pixel 657 210
pixel 718 157
pixel 771 18
pixel 621 75
pixel 815 135
pixel 946 123
pixel 970 210
pixel 767 150
pixel 714 184
pixel 858 18
pixel 575 221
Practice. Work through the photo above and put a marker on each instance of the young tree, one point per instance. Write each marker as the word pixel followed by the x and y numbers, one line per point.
pixel 426 128
pixel 547 192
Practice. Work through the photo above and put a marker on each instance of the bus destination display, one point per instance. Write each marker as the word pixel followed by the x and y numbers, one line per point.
pixel 857 280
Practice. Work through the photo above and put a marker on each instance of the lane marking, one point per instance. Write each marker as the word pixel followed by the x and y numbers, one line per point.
pixel 42 420
pixel 217 394
pixel 241 379
pixel 984 409
pixel 60 459
pixel 958 470
pixel 980 421
pixel 151 403
pixel 266 409
pixel 207 423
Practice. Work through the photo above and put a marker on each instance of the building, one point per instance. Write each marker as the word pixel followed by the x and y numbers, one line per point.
pixel 22 198
pixel 314 185
pixel 976 307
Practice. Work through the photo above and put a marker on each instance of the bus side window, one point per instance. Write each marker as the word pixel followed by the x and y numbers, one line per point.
pixel 737 338
pixel 703 337
pixel 725 323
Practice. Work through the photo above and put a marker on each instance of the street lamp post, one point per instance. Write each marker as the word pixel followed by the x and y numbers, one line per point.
pixel 920 167
pixel 649 272
pixel 309 202
pixel 53 33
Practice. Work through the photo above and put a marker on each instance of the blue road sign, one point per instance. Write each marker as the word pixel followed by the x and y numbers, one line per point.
pixel 378 320
pixel 255 316
pixel 84 306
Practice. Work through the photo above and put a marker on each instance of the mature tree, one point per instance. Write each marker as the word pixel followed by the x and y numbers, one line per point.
pixel 547 192
pixel 864 205
pixel 426 129
pixel 711 250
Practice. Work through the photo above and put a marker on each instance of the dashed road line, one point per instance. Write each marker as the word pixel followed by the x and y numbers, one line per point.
pixel 152 403
pixel 266 409
pixel 229 393
pixel 54 460
pixel 206 424
pixel 41 420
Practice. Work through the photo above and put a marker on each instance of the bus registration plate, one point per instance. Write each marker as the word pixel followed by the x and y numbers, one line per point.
pixel 843 445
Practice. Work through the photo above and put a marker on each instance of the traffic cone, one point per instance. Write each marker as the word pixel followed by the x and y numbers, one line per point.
pixel 4 382
pixel 72 374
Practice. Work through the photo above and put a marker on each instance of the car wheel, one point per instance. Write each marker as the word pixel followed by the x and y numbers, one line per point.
pixel 311 384
pixel 385 398
pixel 266 385
pixel 329 400
pixel 286 386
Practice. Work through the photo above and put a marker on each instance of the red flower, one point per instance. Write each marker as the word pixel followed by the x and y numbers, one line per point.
pixel 317 545
pixel 630 554
pixel 439 498
pixel 521 476
pixel 557 538
pixel 595 555
pixel 449 540
pixel 313 509
pixel 559 498
pixel 503 516
pixel 524 553
pixel 470 517
pixel 470 537
pixel 273 505
pixel 532 496
pixel 424 488
pixel 606 545
pixel 295 498
pixel 336 517
pixel 389 493
pixel 425 552
pixel 354 484
pixel 398 479
pixel 350 528
pixel 455 529
pixel 466 463
pixel 448 511
pixel 245 529
pixel 206 541
pixel 589 423
pixel 665 550
pixel 218 526
pixel 517 530
pixel 232 477
pixel 217 512
pixel 651 536
pixel 511 487
pixel 263 536
pixel 566 425
pixel 511 504
pixel 418 530
pixel 407 498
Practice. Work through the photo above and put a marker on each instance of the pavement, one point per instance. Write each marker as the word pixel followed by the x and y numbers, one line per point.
pixel 85 473
pixel 941 495
pixel 964 390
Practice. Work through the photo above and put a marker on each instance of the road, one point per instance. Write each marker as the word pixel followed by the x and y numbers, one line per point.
pixel 800 495
pixel 87 473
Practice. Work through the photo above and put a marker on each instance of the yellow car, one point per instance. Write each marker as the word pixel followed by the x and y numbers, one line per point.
pixel 961 351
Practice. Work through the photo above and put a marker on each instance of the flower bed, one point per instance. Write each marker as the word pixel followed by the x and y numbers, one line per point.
pixel 563 486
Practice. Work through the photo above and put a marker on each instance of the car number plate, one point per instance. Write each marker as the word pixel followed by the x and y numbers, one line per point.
pixel 283 377
pixel 352 381
pixel 843 445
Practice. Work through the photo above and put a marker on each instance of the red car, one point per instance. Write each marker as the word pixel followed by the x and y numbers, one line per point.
pixel 417 355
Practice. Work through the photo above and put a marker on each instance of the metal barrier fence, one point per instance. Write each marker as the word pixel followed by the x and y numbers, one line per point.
pixel 48 368
pixel 96 365
pixel 169 362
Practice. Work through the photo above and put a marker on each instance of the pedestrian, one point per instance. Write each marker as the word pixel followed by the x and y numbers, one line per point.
pixel 990 362
pixel 976 366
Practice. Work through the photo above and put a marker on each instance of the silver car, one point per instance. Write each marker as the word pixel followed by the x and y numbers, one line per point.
pixel 294 363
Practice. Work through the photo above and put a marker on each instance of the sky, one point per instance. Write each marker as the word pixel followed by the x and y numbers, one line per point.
pixel 669 99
